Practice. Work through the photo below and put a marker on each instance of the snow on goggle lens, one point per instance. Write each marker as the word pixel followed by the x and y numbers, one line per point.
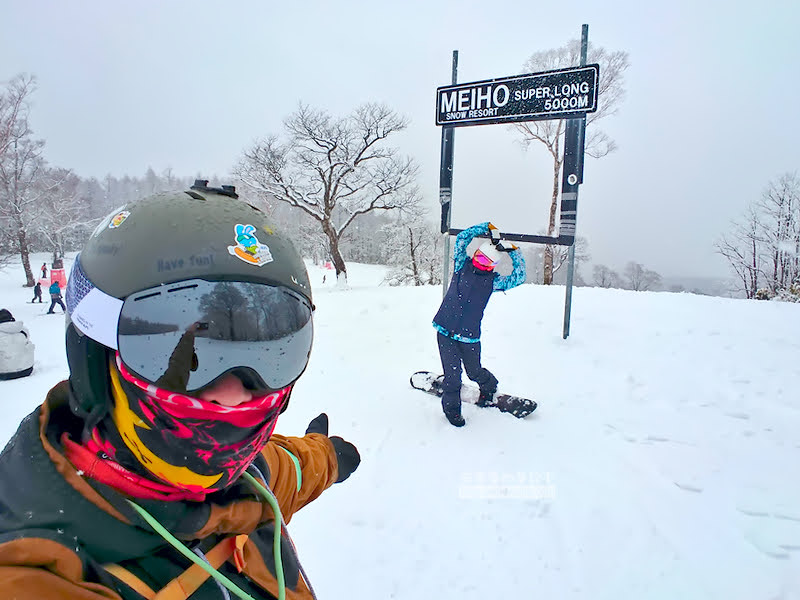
pixel 185 335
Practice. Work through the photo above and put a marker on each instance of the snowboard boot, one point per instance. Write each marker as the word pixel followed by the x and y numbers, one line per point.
pixel 486 398
pixel 455 420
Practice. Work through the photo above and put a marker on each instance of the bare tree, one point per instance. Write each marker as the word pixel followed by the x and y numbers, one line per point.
pixel 13 123
pixel 65 219
pixel 550 133
pixel 559 256
pixel 763 248
pixel 605 277
pixel 779 208
pixel 741 248
pixel 21 169
pixel 413 248
pixel 324 163
pixel 14 110
pixel 641 279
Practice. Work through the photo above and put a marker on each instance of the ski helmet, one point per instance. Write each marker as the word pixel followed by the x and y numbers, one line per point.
pixel 152 264
pixel 490 251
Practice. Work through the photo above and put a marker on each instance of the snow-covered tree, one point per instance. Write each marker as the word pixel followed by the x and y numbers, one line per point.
pixel 22 170
pixel 327 166
pixel 550 133
pixel 779 207
pixel 65 220
pixel 763 247
pixel 413 248
pixel 741 248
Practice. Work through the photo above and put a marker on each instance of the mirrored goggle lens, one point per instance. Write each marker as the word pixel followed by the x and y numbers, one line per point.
pixel 183 336
pixel 484 260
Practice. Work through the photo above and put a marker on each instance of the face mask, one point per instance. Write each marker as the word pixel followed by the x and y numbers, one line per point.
pixel 186 442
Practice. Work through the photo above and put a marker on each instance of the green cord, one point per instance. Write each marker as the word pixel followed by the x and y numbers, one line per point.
pixel 276 546
pixel 297 467
pixel 181 547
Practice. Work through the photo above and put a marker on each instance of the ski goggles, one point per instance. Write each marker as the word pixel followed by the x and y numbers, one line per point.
pixel 185 335
pixel 482 260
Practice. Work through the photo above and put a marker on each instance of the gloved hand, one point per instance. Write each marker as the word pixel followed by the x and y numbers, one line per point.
pixel 494 232
pixel 347 456
pixel 506 246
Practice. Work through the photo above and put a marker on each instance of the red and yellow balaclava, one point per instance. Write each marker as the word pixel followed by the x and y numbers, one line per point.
pixel 187 443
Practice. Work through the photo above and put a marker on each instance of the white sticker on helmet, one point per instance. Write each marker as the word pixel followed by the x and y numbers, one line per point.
pixel 97 316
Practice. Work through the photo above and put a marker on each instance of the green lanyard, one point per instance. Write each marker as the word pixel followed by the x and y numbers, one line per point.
pixel 224 581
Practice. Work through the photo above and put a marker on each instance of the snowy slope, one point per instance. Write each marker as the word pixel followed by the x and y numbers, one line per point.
pixel 662 461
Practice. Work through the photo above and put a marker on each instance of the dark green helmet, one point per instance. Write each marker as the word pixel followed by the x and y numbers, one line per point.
pixel 204 233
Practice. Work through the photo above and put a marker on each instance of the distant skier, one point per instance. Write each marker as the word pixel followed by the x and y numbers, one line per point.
pixel 55 298
pixel 44 270
pixel 458 320
pixel 37 292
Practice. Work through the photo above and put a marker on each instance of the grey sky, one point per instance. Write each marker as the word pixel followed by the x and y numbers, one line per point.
pixel 710 117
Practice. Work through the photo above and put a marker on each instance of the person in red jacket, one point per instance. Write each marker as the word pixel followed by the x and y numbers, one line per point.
pixel 154 470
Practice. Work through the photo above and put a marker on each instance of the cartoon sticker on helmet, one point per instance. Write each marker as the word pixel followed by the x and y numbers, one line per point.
pixel 118 219
pixel 248 248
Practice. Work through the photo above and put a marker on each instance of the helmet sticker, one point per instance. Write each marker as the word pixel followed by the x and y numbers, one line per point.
pixel 106 221
pixel 118 219
pixel 248 248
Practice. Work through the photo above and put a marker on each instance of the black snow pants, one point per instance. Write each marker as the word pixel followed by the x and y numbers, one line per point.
pixel 56 299
pixel 453 353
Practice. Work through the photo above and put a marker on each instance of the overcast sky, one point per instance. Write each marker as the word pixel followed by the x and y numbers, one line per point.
pixel 710 116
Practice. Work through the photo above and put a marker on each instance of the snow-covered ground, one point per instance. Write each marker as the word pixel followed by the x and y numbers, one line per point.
pixel 662 461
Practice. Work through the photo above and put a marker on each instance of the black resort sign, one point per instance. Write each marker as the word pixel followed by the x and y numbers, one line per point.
pixel 561 94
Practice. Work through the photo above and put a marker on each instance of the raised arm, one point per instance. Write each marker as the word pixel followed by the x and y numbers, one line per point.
pixel 503 283
pixel 463 240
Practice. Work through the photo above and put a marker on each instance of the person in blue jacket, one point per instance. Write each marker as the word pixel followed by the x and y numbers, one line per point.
pixel 55 298
pixel 458 320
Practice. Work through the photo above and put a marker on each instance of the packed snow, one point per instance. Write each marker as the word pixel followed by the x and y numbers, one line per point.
pixel 662 461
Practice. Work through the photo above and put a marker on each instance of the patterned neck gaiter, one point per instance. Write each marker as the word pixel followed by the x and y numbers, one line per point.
pixel 188 443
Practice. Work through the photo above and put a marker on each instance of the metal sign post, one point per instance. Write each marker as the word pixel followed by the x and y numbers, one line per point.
pixel 575 166
pixel 446 186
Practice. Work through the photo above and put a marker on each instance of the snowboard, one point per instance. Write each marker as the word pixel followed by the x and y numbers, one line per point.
pixel 432 384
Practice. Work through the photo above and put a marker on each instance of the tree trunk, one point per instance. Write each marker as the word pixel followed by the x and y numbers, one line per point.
pixel 24 255
pixel 414 268
pixel 336 255
pixel 547 277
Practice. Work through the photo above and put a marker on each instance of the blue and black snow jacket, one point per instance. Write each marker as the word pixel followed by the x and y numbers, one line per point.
pixel 459 317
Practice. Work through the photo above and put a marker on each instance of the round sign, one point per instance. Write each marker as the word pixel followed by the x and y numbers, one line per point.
pixel 572 179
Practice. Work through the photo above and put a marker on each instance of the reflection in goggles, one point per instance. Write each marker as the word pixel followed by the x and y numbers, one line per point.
pixel 183 337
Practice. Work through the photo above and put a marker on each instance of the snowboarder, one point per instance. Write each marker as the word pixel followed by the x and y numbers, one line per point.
pixel 37 292
pixel 119 486
pixel 55 298
pixel 458 320
pixel 16 348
